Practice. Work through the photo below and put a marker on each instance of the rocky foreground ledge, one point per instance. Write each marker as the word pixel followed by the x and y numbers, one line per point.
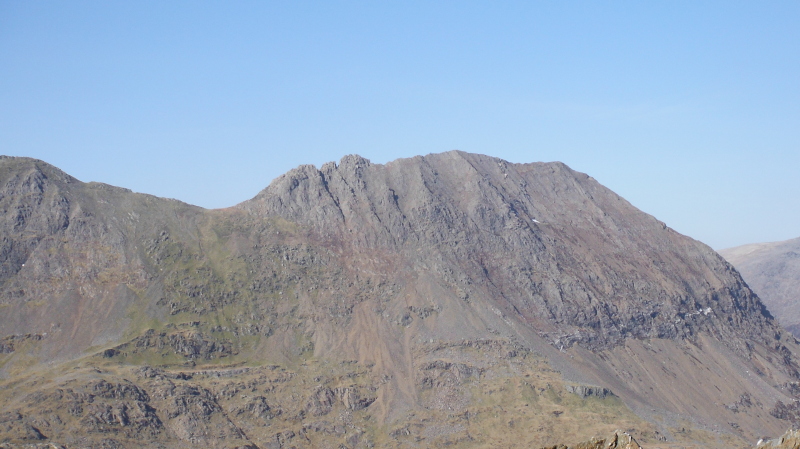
pixel 623 440
pixel 789 440
pixel 617 440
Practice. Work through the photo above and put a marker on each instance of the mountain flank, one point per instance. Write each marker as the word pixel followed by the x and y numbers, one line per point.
pixel 773 271
pixel 448 299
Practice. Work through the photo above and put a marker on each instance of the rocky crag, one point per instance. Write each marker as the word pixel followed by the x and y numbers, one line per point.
pixel 432 301
pixel 789 440
pixel 773 271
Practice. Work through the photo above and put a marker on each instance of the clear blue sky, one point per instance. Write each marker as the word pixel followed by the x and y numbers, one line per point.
pixel 690 110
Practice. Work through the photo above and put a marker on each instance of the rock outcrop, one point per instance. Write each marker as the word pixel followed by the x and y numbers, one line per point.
pixel 617 440
pixel 789 440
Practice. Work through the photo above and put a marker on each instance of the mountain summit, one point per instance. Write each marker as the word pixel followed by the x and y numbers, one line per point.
pixel 541 242
pixel 447 299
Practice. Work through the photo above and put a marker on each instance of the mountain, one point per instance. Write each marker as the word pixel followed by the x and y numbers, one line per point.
pixel 450 299
pixel 773 271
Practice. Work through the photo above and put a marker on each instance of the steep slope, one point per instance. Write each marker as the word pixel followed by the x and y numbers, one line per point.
pixel 72 260
pixel 773 271
pixel 446 299
pixel 560 260
pixel 549 244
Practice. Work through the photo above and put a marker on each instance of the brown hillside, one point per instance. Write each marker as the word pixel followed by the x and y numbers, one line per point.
pixel 451 299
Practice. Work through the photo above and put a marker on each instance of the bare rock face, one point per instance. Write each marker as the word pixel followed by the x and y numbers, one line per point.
pixel 773 271
pixel 447 300
pixel 553 246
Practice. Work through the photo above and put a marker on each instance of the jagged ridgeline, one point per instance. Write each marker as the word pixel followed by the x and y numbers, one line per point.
pixel 451 299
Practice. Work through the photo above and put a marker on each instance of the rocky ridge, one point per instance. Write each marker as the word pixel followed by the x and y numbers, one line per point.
pixel 555 246
pixel 438 300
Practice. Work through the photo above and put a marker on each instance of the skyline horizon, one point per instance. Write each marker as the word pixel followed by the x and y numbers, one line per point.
pixel 690 111
pixel 318 166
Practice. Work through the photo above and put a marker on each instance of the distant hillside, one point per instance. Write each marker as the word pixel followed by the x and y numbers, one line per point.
pixel 773 271
pixel 447 300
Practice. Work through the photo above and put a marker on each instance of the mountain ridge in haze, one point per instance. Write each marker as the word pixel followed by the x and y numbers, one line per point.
pixel 773 270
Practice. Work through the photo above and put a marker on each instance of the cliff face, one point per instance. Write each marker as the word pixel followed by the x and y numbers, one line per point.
pixel 547 244
pixel 446 299
pixel 773 271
